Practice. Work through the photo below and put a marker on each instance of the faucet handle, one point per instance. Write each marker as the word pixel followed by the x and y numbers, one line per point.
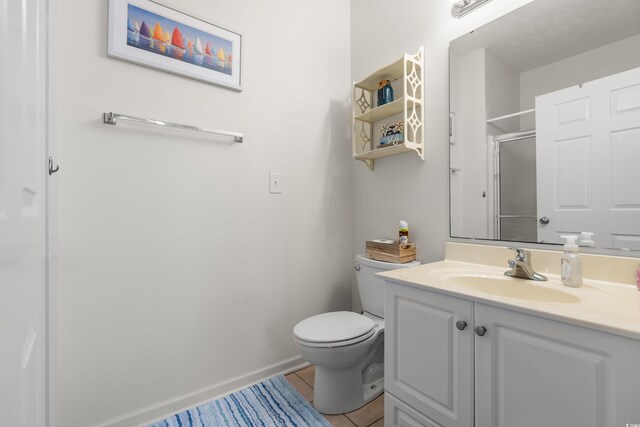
pixel 522 255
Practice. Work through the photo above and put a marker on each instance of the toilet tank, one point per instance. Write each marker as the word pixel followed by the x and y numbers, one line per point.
pixel 371 288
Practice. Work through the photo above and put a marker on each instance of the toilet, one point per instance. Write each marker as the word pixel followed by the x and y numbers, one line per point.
pixel 348 348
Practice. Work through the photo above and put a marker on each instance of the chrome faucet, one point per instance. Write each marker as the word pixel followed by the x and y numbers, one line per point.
pixel 521 266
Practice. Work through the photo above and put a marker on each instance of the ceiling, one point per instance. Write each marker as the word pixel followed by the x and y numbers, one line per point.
pixel 546 31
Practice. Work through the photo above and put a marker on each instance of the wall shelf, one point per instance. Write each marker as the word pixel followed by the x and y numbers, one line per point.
pixel 406 74
pixel 390 72
pixel 382 112
pixel 383 152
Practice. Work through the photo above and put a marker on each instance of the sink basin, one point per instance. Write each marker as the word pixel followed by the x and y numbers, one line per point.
pixel 512 288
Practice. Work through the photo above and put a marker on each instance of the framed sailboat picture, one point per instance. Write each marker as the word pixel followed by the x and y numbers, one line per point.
pixel 150 34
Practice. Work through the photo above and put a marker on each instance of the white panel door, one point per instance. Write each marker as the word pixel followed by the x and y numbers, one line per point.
pixel 22 213
pixel 588 157
pixel 428 359
pixel 533 372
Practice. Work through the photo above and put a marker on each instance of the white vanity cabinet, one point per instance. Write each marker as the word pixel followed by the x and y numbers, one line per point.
pixel 524 371
pixel 532 371
pixel 428 360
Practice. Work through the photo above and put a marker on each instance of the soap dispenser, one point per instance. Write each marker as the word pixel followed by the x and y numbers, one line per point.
pixel 587 239
pixel 571 263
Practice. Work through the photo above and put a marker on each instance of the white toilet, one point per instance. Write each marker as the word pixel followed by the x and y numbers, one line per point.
pixel 348 348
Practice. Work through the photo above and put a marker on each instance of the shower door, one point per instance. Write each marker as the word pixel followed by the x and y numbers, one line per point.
pixel 23 80
pixel 515 187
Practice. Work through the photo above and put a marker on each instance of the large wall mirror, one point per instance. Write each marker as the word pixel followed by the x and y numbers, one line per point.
pixel 545 124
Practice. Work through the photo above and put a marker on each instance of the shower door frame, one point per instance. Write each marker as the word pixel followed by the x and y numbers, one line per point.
pixel 495 141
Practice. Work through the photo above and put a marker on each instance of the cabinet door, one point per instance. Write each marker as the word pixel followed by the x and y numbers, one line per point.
pixel 398 414
pixel 533 372
pixel 428 360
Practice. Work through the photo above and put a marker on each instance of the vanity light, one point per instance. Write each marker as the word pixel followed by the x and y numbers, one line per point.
pixel 462 7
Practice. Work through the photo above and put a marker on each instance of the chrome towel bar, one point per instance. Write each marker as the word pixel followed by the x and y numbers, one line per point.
pixel 112 118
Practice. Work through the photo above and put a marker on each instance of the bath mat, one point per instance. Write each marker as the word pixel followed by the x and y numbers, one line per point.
pixel 273 402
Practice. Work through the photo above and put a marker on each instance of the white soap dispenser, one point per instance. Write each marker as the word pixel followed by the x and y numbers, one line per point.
pixel 587 239
pixel 571 263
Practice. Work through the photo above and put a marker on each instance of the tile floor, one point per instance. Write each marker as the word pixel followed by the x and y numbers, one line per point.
pixel 370 415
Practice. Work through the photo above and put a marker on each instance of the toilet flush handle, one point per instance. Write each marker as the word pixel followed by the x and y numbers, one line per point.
pixel 356 267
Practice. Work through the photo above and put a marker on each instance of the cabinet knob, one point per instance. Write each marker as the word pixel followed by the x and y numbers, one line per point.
pixel 480 330
pixel 461 324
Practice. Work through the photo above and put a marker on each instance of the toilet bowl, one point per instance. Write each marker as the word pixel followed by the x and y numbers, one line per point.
pixel 342 344
pixel 348 348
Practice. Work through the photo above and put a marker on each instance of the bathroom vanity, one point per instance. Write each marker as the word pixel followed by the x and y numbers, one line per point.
pixel 467 346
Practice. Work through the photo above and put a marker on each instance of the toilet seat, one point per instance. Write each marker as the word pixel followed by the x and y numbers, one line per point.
pixel 335 329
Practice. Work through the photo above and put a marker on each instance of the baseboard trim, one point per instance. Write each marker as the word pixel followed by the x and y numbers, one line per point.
pixel 164 409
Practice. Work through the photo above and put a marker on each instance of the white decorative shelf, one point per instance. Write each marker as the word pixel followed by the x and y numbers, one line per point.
pixel 383 152
pixel 382 112
pixel 409 71
pixel 390 72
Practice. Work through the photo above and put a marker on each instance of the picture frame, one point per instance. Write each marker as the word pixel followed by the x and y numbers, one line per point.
pixel 153 35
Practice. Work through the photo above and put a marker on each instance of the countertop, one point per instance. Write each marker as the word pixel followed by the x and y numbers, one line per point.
pixel 604 306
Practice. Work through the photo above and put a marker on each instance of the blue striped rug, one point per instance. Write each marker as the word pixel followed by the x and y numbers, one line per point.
pixel 273 402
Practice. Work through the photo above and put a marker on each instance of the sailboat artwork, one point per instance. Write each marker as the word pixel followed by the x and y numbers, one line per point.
pixel 155 33
pixel 152 35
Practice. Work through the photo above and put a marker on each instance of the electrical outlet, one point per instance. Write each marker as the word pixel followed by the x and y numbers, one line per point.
pixel 275 182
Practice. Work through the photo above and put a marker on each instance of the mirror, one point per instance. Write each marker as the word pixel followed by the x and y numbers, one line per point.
pixel 545 124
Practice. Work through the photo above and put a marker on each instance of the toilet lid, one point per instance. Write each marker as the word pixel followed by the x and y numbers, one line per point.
pixel 333 327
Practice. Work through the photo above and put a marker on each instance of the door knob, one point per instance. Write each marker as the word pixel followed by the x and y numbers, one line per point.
pixel 461 324
pixel 480 330
pixel 544 220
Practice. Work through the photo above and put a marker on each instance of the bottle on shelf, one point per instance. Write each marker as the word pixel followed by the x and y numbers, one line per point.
pixel 385 92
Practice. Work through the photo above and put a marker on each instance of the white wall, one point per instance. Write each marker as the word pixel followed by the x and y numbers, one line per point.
pixel 176 269
pixel 594 64
pixel 502 93
pixel 470 146
pixel 404 187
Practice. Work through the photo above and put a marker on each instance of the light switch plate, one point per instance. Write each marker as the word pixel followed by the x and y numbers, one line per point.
pixel 275 182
